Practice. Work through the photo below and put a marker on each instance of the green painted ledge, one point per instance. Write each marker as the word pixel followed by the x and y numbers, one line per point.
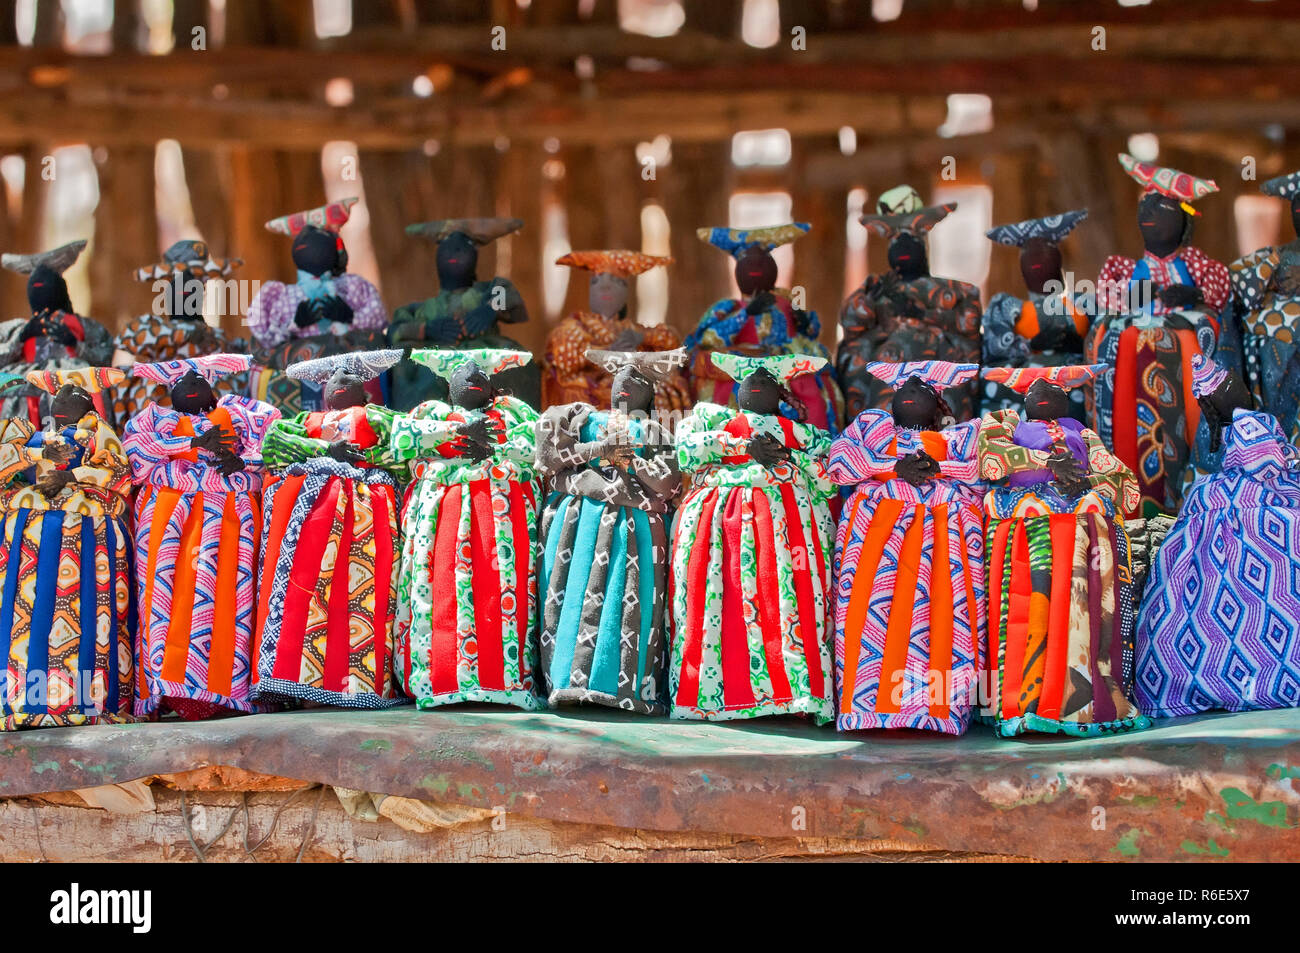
pixel 1215 787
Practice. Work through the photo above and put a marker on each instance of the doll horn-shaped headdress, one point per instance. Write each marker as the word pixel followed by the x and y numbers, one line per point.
pixel 1051 228
pixel 90 379
pixel 491 360
pixel 1207 375
pixel 191 256
pixel 621 262
pixel 480 231
pixel 331 217
pixel 938 374
pixel 8 380
pixel 901 209
pixel 1171 182
pixel 366 365
pixel 653 365
pixel 784 367
pixel 211 367
pixel 734 241
pixel 1283 186
pixel 1064 376
pixel 60 259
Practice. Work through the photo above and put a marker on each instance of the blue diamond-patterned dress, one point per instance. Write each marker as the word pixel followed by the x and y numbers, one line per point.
pixel 1220 625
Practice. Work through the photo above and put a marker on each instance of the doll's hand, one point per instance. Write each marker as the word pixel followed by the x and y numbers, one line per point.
pixel 306 314
pixel 214 440
pixel 916 468
pixel 345 451
pixel 335 309
pixel 442 331
pixel 479 321
pixel 767 451
pixel 472 449
pixel 629 339
pixel 1180 297
pixel 619 456
pixel 52 483
pixel 229 462
pixel 481 430
pixel 56 453
pixel 760 302
pixel 1068 474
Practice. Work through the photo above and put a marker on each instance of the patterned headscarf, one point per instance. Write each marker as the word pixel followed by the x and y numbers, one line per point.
pixel 366 365
pixel 1284 186
pixel 1171 182
pixel 1053 228
pixel 60 259
pixel 90 379
pixel 330 217
pixel 734 241
pixel 1065 376
pixel 622 263
pixel 490 360
pixel 1207 375
pixel 479 230
pixel 784 367
pixel 191 256
pixel 654 365
pixel 938 374
pixel 211 367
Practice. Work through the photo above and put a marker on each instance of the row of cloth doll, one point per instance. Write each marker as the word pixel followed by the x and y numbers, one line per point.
pixel 1243 314
pixel 472 550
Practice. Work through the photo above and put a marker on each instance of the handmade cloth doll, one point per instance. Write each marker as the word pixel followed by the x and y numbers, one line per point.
pixel 330 543
pixel 1059 577
pixel 1157 313
pixel 465 313
pixel 53 338
pixel 751 552
pixel 613 476
pixel 909 558
pixel 175 328
pixel 907 314
pixel 1267 287
pixel 762 321
pixel 569 376
pixel 467 587
pixel 1045 329
pixel 1220 624
pixel 198 466
pixel 326 311
pixel 67 617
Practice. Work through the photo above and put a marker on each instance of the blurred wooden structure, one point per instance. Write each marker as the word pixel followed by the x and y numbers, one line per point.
pixel 554 118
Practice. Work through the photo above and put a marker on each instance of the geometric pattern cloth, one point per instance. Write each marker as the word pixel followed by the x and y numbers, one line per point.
pixel 1220 625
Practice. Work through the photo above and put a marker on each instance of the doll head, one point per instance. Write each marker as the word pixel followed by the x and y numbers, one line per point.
pixel 457 261
pixel 470 387
pixel 1040 263
pixel 1046 401
pixel 631 392
pixel 607 294
pixel 907 256
pixel 344 390
pixel 317 251
pixel 755 271
pixel 759 393
pixel 1295 214
pixel 192 394
pixel 1165 226
pixel 1218 406
pixel 47 291
pixel 70 404
pixel 917 406
pixel 184 297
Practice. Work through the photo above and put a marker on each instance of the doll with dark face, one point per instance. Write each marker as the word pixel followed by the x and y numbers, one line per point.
pixel 1046 327
pixel 1267 288
pixel 465 314
pixel 327 310
pixel 1059 563
pixel 468 572
pixel 1155 314
pixel 198 467
pixel 751 552
pixel 1218 626
pixel 604 538
pixel 569 377
pixel 764 320
pixel 909 594
pixel 906 313
pixel 65 493
pixel 175 327
pixel 53 337
pixel 334 482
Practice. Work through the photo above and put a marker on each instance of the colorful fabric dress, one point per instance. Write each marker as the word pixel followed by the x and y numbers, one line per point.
pixel 330 544
pixel 1219 627
pixel 749 601
pixel 1267 285
pixel 91 345
pixel 1059 582
pixel 909 570
pixel 196 541
pixel 604 559
pixel 67 616
pixel 467 585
